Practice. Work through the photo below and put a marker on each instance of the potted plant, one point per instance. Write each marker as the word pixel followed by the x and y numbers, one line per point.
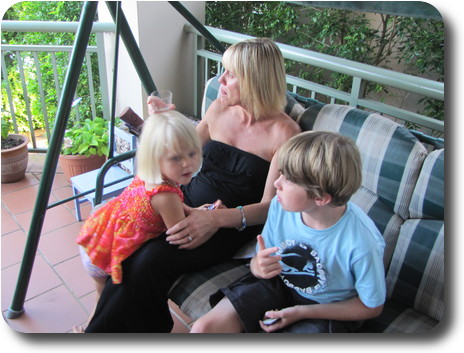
pixel 85 147
pixel 14 154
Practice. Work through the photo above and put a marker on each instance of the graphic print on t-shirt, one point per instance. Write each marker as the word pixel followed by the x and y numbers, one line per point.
pixel 302 268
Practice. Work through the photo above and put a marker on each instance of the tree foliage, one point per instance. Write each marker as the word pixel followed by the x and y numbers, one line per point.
pixel 417 44
pixel 68 11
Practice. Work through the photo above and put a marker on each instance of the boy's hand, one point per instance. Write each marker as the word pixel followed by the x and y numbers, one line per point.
pixel 264 264
pixel 286 317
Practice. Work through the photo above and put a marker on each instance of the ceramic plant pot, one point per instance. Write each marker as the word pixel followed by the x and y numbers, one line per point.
pixel 14 160
pixel 76 164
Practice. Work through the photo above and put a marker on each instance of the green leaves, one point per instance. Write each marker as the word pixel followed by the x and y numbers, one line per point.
pixel 87 139
pixel 374 39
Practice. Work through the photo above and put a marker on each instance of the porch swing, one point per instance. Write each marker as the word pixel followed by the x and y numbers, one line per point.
pixel 385 204
pixel 63 111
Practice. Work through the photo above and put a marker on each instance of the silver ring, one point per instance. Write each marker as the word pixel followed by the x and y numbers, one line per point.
pixel 190 238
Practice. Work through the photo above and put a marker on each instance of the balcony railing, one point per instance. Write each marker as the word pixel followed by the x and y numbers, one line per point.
pixel 360 74
pixel 25 60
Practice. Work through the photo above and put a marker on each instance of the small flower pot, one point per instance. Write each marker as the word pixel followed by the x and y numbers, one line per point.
pixel 14 160
pixel 76 164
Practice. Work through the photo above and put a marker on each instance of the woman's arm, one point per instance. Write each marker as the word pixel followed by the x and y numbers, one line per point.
pixel 349 310
pixel 200 225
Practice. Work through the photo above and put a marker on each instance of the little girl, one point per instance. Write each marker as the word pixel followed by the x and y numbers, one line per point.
pixel 168 155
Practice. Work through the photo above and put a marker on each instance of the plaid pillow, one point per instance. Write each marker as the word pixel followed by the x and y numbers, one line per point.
pixel 191 292
pixel 416 274
pixel 428 199
pixel 392 157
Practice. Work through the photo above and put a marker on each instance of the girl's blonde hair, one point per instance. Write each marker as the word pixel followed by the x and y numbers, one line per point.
pixel 323 163
pixel 170 131
pixel 259 66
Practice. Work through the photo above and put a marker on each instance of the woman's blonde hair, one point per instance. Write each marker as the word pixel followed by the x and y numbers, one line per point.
pixel 259 66
pixel 170 131
pixel 323 163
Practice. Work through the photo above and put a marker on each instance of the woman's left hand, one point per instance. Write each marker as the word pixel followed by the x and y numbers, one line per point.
pixel 154 102
pixel 193 230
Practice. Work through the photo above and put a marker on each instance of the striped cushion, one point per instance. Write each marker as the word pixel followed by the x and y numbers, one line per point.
pixel 387 221
pixel 211 93
pixel 428 199
pixel 398 318
pixel 416 274
pixel 191 292
pixel 392 157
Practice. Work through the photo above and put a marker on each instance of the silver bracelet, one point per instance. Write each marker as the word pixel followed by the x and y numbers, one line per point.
pixel 244 224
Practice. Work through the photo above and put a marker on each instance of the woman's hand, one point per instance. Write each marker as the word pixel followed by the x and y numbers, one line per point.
pixel 264 264
pixel 193 230
pixel 154 102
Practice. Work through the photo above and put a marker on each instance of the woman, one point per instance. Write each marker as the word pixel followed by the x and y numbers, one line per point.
pixel 240 133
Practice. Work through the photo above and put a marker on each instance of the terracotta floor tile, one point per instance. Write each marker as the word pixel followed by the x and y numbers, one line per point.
pixel 88 301
pixel 62 193
pixel 13 248
pixel 22 200
pixel 43 279
pixel 73 274
pixel 8 222
pixel 28 180
pixel 63 239
pixel 55 218
pixel 55 311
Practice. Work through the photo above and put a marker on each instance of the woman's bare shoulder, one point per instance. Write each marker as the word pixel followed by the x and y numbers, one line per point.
pixel 287 126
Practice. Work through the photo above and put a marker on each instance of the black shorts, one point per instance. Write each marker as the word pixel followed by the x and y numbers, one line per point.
pixel 252 297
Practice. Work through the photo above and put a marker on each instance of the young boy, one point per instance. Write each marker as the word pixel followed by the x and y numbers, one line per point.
pixel 318 266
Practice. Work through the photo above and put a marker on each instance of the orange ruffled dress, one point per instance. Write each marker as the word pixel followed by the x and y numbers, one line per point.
pixel 121 226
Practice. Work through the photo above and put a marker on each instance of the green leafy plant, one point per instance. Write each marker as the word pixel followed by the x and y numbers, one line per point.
pixel 5 129
pixel 9 141
pixel 87 138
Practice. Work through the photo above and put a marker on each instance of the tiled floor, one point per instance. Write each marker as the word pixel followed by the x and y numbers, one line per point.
pixel 60 294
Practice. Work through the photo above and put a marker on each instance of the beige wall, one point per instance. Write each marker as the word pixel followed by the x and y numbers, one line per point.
pixel 166 48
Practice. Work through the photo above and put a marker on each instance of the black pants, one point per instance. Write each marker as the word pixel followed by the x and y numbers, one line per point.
pixel 139 303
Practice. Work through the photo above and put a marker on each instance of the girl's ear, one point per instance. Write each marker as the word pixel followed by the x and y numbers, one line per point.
pixel 325 199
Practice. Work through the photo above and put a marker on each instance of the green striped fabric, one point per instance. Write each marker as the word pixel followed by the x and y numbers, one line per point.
pixel 191 292
pixel 428 200
pixel 416 275
pixel 392 157
pixel 415 281
pixel 211 93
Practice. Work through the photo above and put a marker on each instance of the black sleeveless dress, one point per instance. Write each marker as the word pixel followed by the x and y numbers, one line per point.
pixel 139 304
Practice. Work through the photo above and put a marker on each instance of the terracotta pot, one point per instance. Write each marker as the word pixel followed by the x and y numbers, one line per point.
pixel 75 164
pixel 14 161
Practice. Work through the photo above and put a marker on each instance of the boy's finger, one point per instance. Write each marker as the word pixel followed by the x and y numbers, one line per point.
pixel 261 244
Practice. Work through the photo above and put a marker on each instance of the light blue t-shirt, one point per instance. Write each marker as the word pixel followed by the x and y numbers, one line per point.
pixel 332 264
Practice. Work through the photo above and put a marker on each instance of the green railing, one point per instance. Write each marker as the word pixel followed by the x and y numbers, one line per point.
pixel 360 73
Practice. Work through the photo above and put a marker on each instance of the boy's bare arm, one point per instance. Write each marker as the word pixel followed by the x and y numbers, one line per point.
pixel 349 310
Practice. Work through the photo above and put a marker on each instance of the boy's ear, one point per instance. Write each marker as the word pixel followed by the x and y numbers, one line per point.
pixel 325 199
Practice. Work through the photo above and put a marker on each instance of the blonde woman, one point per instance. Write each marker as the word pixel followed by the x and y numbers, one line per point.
pixel 240 133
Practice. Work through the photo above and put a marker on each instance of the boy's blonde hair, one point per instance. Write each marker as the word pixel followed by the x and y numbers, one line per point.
pixel 259 66
pixel 323 163
pixel 164 131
